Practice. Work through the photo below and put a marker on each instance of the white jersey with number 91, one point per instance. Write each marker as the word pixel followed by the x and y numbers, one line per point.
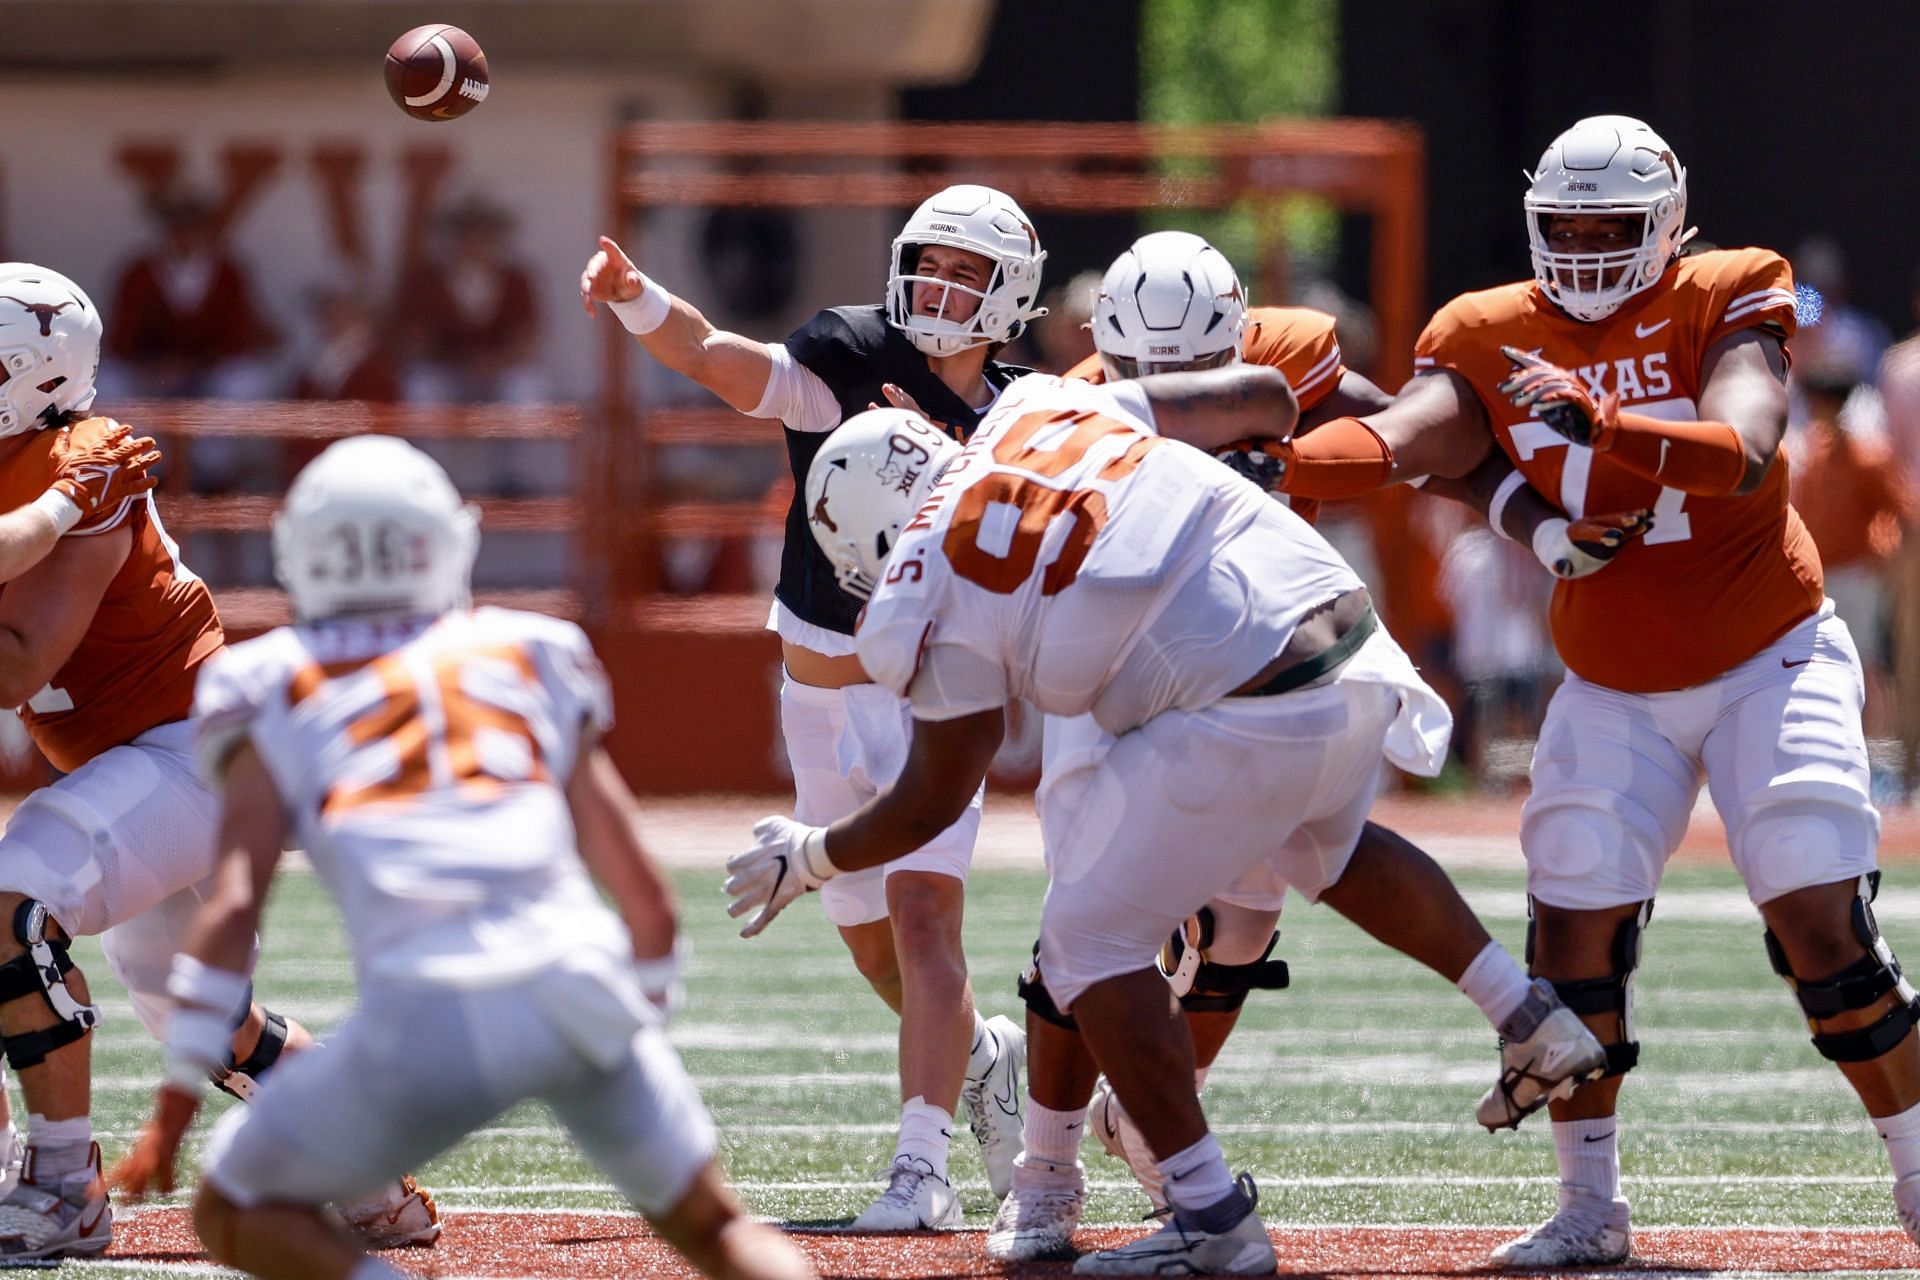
pixel 1073 557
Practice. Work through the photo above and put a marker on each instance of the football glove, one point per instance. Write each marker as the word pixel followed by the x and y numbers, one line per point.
pixel 99 477
pixel 1576 548
pixel 1264 462
pixel 788 859
pixel 1561 399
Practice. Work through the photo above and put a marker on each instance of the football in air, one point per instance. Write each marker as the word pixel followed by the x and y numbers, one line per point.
pixel 437 72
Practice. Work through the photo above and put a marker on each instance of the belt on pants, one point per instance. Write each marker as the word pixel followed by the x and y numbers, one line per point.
pixel 1328 659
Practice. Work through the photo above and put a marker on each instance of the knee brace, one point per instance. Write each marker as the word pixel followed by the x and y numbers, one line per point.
pixel 1039 1001
pixel 1858 986
pixel 1610 994
pixel 42 970
pixel 242 1080
pixel 1205 986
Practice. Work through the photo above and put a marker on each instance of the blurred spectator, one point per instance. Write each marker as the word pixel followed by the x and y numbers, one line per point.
pixel 183 321
pixel 351 362
pixel 1844 337
pixel 1063 336
pixel 1501 649
pixel 469 322
pixel 1900 395
pixel 1858 507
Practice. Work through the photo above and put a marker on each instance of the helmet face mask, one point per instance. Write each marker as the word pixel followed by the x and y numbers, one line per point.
pixel 1171 303
pixel 374 528
pixel 989 225
pixel 1605 168
pixel 49 348
pixel 865 485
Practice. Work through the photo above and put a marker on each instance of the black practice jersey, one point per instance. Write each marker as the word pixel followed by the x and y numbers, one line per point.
pixel 856 352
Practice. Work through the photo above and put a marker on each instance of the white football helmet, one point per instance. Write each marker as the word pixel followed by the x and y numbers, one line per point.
pixel 49 347
pixel 374 527
pixel 1608 166
pixel 1170 302
pixel 864 486
pixel 983 221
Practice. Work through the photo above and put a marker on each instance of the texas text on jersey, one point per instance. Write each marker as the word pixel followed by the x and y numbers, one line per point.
pixel 1745 566
pixel 856 352
pixel 135 666
pixel 1299 342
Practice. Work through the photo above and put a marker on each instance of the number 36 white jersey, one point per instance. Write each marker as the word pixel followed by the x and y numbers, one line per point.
pixel 423 766
pixel 1073 557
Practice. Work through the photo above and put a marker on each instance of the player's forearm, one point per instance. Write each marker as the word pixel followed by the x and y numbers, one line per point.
pixel 611 848
pixel 945 766
pixel 1345 458
pixel 1706 458
pixel 732 367
pixel 23 671
pixel 894 824
pixel 27 534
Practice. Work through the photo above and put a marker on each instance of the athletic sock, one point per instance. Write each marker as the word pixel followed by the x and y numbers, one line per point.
pixel 1495 983
pixel 1198 1178
pixel 1053 1136
pixel 1902 1136
pixel 985 1051
pixel 1589 1155
pixel 925 1132
pixel 60 1147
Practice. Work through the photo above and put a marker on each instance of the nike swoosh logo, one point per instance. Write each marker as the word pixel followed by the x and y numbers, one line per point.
pixel 84 1231
pixel 1598 1137
pixel 1661 466
pixel 1648 330
pixel 1803 662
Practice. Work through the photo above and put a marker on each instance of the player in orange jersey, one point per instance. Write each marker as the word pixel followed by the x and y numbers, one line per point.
pixel 100 643
pixel 1628 375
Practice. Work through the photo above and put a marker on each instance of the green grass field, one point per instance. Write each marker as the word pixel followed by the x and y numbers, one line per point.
pixel 1350 1095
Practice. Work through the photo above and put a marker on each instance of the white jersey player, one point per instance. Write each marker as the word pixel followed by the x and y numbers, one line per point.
pixel 441 768
pixel 1073 556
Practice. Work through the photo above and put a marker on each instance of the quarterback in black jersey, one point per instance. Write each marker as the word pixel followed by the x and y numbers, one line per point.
pixel 963 279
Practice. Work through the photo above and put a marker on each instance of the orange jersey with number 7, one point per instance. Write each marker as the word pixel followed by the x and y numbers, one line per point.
pixel 135 666
pixel 1717 579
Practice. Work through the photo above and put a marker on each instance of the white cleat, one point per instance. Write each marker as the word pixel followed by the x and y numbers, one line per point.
pixel 400 1215
pixel 916 1199
pixel 996 1104
pixel 1906 1198
pixel 1246 1250
pixel 44 1222
pixel 1036 1222
pixel 1587 1232
pixel 1546 1052
pixel 1121 1139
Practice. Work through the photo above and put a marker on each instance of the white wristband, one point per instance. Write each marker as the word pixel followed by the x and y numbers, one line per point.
pixel 644 314
pixel 186 1076
pixel 1551 548
pixel 201 1037
pixel 220 990
pixel 659 977
pixel 813 852
pixel 1501 496
pixel 59 508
